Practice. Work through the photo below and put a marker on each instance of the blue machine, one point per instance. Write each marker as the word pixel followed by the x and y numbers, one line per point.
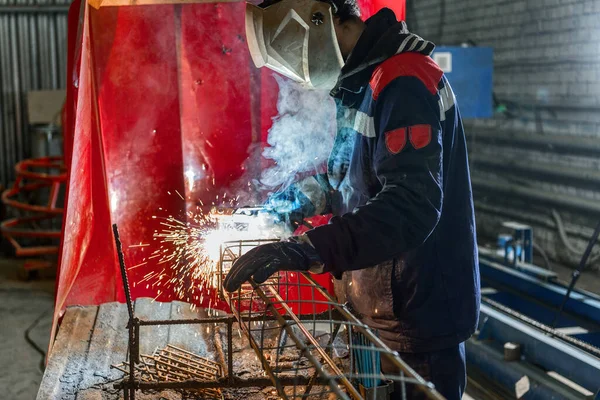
pixel 518 246
pixel 469 71
pixel 556 358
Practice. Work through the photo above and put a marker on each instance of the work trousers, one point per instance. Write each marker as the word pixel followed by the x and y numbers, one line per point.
pixel 446 369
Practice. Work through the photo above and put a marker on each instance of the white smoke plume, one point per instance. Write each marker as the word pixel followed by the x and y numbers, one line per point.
pixel 302 134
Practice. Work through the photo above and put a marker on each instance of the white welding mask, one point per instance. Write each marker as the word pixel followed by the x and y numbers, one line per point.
pixel 297 39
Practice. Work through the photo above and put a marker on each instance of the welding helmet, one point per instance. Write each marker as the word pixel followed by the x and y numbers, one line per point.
pixel 297 39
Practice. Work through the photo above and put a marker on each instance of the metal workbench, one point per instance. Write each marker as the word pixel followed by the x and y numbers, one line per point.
pixel 91 339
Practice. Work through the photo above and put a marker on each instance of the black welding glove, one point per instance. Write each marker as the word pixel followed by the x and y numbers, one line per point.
pixel 296 254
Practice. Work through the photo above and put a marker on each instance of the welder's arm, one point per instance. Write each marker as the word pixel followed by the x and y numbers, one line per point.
pixel 407 156
pixel 303 199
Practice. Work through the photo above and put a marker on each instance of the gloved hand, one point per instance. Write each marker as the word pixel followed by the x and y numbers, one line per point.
pixel 296 254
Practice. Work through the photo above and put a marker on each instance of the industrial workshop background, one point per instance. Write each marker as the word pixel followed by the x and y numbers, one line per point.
pixel 542 138
pixel 540 151
pixel 33 56
pixel 536 160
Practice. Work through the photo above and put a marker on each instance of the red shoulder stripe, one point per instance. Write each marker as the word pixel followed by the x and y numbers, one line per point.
pixel 406 64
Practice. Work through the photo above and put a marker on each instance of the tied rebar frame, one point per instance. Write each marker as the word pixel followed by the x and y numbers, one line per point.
pixel 305 341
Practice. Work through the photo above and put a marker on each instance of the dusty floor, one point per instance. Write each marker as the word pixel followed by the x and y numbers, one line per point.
pixel 23 306
pixel 26 306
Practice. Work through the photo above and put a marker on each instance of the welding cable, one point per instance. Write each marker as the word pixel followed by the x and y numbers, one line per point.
pixel 585 259
pixel 34 344
pixel 565 240
pixel 543 254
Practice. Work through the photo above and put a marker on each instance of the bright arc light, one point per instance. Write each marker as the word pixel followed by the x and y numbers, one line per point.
pixel 190 251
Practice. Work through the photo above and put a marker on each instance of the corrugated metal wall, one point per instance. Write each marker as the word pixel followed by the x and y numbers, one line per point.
pixel 33 52
pixel 537 160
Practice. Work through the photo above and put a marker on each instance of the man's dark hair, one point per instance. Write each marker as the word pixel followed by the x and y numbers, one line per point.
pixel 343 9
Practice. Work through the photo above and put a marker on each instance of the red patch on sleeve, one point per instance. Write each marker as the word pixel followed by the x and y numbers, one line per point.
pixel 420 136
pixel 395 140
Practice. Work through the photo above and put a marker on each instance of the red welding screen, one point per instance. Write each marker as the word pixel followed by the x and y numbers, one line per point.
pixel 157 95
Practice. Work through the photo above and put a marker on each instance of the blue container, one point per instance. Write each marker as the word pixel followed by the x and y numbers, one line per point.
pixel 469 71
pixel 509 253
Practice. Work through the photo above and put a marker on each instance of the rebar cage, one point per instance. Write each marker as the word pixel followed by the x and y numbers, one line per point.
pixel 300 333
pixel 308 345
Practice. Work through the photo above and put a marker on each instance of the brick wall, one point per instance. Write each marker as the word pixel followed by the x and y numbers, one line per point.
pixel 541 150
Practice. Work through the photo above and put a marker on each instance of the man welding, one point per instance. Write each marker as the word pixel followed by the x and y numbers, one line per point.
pixel 402 239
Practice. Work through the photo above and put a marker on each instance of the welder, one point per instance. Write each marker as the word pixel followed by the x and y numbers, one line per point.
pixel 402 239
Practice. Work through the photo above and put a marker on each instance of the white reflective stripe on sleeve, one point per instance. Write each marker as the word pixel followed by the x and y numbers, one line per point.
pixel 315 193
pixel 447 99
pixel 364 125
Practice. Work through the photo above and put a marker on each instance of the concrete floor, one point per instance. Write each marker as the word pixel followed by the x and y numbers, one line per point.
pixel 23 306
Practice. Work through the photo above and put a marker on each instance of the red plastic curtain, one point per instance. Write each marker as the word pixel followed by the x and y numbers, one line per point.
pixel 155 93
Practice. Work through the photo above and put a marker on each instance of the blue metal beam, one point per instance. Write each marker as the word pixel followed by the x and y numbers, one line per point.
pixel 550 293
pixel 540 349
pixel 490 363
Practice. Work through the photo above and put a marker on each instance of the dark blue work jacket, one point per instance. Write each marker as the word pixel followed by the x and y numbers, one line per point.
pixel 403 236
